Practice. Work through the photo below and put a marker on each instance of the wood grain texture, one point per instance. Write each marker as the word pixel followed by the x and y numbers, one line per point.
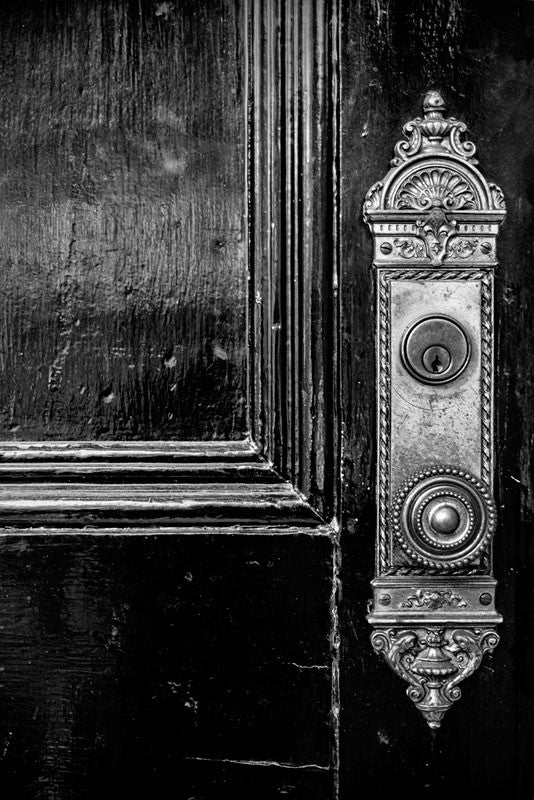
pixel 479 55
pixel 293 244
pixel 120 453
pixel 122 268
pixel 87 504
pixel 203 660
pixel 166 609
pixel 107 484
pixel 208 657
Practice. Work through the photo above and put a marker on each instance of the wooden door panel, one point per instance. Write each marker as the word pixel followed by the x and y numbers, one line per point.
pixel 121 672
pixel 235 782
pixel 123 264
pixel 168 602
pixel 138 658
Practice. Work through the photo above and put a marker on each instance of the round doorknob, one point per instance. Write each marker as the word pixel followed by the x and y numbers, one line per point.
pixel 435 349
pixel 444 517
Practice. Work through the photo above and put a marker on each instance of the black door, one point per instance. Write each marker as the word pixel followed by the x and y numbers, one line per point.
pixel 479 56
pixel 188 399
pixel 166 601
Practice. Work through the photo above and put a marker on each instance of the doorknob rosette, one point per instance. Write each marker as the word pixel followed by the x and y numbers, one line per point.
pixel 444 517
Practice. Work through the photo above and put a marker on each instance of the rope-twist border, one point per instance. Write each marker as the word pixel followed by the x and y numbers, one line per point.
pixel 384 433
pixel 486 362
pixel 385 276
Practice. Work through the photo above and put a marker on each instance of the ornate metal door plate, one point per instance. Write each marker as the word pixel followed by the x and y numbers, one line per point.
pixel 434 220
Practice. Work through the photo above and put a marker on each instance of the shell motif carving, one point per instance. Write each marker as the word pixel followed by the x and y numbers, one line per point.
pixel 439 188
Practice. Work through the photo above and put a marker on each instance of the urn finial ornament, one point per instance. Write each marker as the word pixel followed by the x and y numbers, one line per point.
pixel 433 102
pixel 434 134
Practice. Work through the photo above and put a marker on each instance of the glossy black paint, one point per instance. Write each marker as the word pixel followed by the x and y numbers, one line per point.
pixel 479 55
pixel 293 221
pixel 122 268
pixel 130 660
pixel 206 659
pixel 135 657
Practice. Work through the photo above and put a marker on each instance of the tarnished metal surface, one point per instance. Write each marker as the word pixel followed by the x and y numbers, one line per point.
pixel 433 424
pixel 434 220
pixel 436 349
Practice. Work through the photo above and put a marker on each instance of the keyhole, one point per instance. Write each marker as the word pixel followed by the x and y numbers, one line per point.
pixel 436 359
pixel 436 364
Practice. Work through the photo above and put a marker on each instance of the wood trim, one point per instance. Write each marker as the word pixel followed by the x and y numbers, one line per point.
pixel 242 529
pixel 140 471
pixel 125 452
pixel 144 483
pixel 289 469
pixel 30 505
pixel 293 241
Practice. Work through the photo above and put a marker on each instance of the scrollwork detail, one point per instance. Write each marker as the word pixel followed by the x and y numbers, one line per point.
pixel 373 196
pixel 463 148
pixel 410 146
pixel 434 661
pixel 497 197
pixel 436 230
pixel 399 651
pixel 433 599
pixel 410 248
pixel 462 248
pixel 434 134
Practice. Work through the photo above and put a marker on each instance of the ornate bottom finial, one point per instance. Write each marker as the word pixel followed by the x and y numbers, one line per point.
pixel 434 661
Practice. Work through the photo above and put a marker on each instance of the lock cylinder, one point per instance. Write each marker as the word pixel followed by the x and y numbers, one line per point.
pixel 436 349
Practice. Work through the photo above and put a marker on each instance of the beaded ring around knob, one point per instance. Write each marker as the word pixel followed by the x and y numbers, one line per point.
pixel 444 517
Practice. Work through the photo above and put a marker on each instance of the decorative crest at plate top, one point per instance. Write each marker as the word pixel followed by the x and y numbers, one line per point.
pixel 436 187
pixel 434 134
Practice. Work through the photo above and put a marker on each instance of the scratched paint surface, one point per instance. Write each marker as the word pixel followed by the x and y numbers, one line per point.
pixel 131 662
pixel 480 55
pixel 122 272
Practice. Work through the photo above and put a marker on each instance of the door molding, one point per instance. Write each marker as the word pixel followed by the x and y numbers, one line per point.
pixel 291 109
pixel 293 229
